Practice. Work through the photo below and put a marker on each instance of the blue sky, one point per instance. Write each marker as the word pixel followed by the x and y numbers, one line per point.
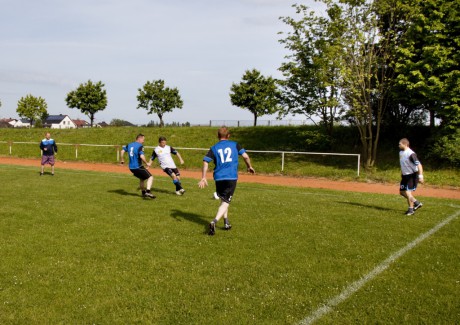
pixel 49 47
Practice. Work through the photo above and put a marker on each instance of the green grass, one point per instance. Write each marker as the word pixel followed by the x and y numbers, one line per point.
pixel 83 247
pixel 258 138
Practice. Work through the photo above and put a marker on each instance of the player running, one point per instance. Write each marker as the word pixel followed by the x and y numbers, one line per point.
pixel 163 153
pixel 135 151
pixel 224 154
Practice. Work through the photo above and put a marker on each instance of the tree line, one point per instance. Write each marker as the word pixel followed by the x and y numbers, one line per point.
pixel 371 64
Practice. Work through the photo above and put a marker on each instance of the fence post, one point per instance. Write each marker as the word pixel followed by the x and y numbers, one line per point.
pixel 10 144
pixel 76 151
pixel 359 162
pixel 117 148
pixel 282 161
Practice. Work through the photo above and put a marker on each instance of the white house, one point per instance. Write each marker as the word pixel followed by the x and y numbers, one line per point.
pixel 22 123
pixel 59 122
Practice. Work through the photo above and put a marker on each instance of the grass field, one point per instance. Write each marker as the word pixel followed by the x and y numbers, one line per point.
pixel 84 248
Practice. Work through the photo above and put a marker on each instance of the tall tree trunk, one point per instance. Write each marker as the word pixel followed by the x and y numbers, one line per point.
pixel 162 124
pixel 432 122
pixel 255 119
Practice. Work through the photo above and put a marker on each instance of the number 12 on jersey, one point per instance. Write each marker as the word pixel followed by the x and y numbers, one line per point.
pixel 225 155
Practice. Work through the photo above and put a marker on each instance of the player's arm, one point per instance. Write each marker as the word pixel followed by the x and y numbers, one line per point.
pixel 55 147
pixel 180 158
pixel 204 182
pixel 122 155
pixel 420 173
pixel 142 156
pixel 152 158
pixel 247 161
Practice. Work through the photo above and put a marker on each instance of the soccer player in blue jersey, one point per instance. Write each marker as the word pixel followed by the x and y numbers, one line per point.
pixel 411 174
pixel 224 154
pixel 48 147
pixel 135 151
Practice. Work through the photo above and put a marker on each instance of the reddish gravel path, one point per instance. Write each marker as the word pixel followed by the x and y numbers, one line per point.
pixel 449 193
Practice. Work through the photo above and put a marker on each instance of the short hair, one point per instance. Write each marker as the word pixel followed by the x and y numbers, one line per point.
pixel 140 135
pixel 161 139
pixel 404 141
pixel 223 132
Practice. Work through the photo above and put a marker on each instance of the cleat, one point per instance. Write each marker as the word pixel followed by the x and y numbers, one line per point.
pixel 41 174
pixel 212 229
pixel 228 226
pixel 180 192
pixel 418 206
pixel 409 212
pixel 149 195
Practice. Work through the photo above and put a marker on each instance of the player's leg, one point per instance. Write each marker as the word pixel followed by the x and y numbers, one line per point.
pixel 221 211
pixel 175 175
pixel 43 162
pixel 52 164
pixel 227 224
pixel 225 190
pixel 149 183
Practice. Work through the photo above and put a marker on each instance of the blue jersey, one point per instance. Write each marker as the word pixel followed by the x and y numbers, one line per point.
pixel 134 150
pixel 50 146
pixel 225 154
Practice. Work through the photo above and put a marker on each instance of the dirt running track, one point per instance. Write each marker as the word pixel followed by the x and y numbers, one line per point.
pixel 423 190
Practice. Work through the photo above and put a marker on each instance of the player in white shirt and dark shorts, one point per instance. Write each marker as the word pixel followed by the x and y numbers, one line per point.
pixel 163 153
pixel 411 175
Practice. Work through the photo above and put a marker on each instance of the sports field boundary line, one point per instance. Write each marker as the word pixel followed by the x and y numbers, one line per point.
pixel 355 286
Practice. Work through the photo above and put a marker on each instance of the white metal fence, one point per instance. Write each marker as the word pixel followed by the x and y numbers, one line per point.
pixel 117 148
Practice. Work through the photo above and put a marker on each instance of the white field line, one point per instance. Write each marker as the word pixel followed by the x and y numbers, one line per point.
pixel 355 286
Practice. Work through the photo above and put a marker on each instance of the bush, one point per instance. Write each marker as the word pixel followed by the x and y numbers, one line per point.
pixel 446 149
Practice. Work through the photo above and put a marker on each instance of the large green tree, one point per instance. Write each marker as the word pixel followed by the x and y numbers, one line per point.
pixel 341 58
pixel 256 93
pixel 312 80
pixel 156 98
pixel 367 73
pixel 89 98
pixel 428 60
pixel 33 108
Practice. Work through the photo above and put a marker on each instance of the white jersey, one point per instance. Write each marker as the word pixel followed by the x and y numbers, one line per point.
pixel 164 156
pixel 409 161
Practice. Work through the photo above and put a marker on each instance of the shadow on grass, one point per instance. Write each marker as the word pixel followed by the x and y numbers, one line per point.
pixel 361 205
pixel 138 192
pixel 124 192
pixel 191 217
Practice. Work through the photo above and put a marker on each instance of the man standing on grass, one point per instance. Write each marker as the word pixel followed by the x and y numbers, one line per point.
pixel 224 154
pixel 135 151
pixel 163 152
pixel 48 147
pixel 411 174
